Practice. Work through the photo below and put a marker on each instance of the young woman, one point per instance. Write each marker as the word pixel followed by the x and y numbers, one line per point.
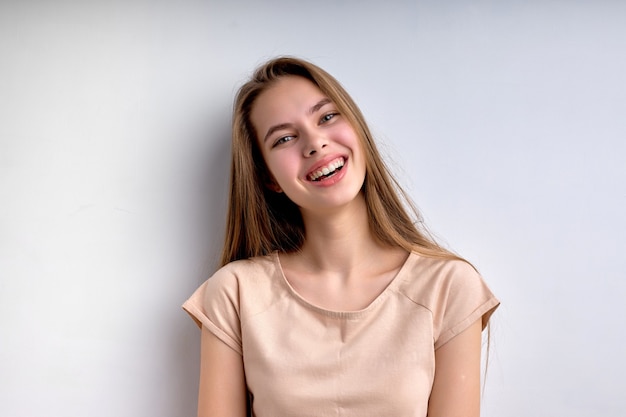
pixel 330 300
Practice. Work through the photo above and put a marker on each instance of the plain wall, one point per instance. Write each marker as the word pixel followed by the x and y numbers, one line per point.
pixel 505 121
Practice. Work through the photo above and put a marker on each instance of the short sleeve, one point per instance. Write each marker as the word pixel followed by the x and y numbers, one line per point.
pixel 215 305
pixel 464 298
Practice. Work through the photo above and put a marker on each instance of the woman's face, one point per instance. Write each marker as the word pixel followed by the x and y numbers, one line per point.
pixel 313 153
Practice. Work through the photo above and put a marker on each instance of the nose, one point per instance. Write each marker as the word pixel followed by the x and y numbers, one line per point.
pixel 315 143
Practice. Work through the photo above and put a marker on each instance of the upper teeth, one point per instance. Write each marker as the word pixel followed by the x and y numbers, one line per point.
pixel 327 169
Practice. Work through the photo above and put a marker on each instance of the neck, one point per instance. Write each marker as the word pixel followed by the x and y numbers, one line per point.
pixel 339 240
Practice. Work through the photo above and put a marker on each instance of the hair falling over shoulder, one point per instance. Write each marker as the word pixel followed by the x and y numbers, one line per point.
pixel 261 221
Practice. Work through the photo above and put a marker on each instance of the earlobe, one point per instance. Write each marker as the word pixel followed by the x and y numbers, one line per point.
pixel 274 187
pixel 270 183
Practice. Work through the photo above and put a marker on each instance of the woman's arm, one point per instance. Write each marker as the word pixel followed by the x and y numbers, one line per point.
pixel 222 381
pixel 456 389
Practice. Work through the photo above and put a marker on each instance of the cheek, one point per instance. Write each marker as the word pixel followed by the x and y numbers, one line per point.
pixel 351 140
pixel 282 168
pixel 347 136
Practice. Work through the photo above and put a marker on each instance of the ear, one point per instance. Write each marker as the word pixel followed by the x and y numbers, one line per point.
pixel 274 187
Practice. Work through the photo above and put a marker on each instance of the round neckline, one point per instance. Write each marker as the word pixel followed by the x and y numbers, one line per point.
pixel 338 313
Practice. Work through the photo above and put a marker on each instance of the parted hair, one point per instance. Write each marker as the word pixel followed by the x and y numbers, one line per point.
pixel 260 220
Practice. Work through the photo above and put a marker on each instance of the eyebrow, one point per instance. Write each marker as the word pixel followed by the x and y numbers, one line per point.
pixel 281 126
pixel 319 105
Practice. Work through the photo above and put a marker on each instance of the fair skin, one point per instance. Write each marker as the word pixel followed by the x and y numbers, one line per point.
pixel 316 159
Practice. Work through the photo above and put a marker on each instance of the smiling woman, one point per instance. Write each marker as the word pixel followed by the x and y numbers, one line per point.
pixel 312 152
pixel 330 301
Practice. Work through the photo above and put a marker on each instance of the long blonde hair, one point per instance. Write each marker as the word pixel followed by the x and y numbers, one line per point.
pixel 261 221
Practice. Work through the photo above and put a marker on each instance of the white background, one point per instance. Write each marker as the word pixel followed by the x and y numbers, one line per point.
pixel 505 120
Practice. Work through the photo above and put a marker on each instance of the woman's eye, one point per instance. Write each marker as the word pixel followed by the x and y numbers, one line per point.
pixel 325 118
pixel 282 140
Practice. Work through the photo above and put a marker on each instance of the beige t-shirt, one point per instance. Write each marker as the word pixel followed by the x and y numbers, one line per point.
pixel 302 360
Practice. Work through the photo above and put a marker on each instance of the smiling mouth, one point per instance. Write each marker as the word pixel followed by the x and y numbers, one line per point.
pixel 328 170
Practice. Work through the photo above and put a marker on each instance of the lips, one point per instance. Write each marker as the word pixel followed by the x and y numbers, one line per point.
pixel 326 169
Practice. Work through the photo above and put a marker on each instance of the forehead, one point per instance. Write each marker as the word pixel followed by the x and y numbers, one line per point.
pixel 287 97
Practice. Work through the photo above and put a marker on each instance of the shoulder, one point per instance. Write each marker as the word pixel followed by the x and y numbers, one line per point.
pixel 243 271
pixel 235 291
pixel 247 285
pixel 452 290
pixel 425 278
